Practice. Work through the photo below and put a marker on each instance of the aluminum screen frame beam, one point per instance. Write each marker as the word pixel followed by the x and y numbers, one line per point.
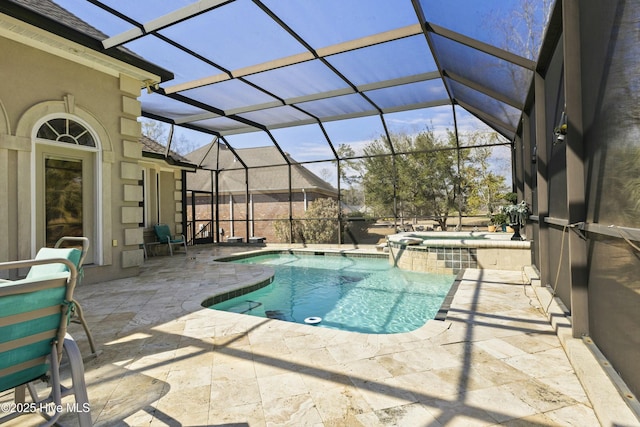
pixel 488 119
pixel 416 78
pixel 310 55
pixel 184 13
pixel 481 46
pixel 395 34
pixel 483 89
pixel 576 193
pixel 111 45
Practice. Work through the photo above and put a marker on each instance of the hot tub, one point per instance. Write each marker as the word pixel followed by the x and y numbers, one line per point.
pixel 449 252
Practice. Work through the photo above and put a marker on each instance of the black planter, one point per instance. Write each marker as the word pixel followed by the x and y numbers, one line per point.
pixel 516 233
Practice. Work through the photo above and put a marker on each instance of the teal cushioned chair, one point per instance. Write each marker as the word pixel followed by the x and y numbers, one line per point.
pixel 163 233
pixel 34 314
pixel 72 254
pixel 76 256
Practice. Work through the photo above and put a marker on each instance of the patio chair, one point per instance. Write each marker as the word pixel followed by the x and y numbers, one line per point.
pixel 34 314
pixel 77 257
pixel 78 314
pixel 163 233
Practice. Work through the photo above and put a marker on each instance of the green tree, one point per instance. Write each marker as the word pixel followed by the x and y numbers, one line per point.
pixel 432 177
pixel 426 179
pixel 353 195
pixel 488 187
pixel 378 178
pixel 350 171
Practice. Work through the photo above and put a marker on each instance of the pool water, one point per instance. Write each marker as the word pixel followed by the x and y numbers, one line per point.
pixel 353 294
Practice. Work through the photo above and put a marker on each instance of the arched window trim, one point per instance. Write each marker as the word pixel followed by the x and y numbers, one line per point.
pixel 45 121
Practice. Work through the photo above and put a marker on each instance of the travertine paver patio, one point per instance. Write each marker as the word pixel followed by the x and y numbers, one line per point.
pixel 167 361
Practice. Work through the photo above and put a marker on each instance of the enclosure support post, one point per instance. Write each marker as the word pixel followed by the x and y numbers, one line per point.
pixel 458 163
pixel 542 182
pixel 192 203
pixel 216 197
pixel 183 198
pixel 528 170
pixel 214 215
pixel 290 207
pixel 250 212
pixel 246 202
pixel 395 174
pixel 232 227
pixel 576 206
pixel 339 205
pixel 395 197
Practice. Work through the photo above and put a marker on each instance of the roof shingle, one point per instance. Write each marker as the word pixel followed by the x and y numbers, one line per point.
pixel 268 178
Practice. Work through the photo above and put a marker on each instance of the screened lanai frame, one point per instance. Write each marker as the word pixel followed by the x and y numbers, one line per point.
pixel 276 68
pixel 287 64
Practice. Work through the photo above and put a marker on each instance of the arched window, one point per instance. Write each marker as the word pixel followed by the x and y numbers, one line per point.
pixel 66 130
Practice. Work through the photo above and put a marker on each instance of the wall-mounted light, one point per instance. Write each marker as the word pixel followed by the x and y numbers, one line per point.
pixel 534 154
pixel 560 131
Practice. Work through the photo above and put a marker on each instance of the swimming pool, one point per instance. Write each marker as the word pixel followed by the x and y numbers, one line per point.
pixel 354 294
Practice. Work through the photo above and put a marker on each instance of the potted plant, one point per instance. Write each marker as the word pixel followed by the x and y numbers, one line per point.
pixel 498 221
pixel 518 214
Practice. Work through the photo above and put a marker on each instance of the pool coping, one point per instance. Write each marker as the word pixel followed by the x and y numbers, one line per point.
pixel 319 252
pixel 224 296
pixel 446 303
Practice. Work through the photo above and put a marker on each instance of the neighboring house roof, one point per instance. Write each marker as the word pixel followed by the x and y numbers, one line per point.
pixel 263 177
pixel 155 150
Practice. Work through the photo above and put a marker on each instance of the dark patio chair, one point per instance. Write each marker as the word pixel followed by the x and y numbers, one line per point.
pixel 163 233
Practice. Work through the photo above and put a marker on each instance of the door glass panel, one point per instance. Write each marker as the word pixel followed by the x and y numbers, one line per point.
pixel 200 224
pixel 63 194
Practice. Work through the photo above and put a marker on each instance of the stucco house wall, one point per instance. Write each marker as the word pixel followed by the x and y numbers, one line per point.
pixel 39 82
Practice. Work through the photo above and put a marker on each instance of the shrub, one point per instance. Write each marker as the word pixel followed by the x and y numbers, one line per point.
pixel 319 225
pixel 282 231
pixel 499 218
pixel 321 221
